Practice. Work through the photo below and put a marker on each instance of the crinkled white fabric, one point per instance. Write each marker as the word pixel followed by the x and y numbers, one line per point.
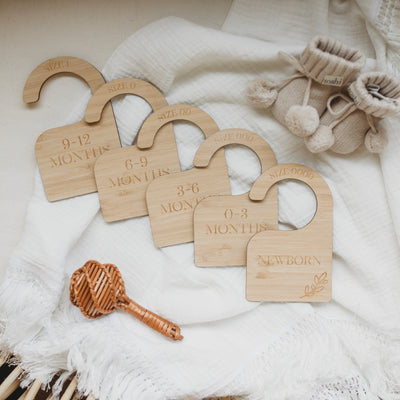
pixel 346 349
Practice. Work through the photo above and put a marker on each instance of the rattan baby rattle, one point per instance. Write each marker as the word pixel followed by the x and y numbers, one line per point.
pixel 99 289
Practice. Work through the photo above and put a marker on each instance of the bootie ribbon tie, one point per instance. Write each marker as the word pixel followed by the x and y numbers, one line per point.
pixel 301 74
pixel 345 111
pixel 292 60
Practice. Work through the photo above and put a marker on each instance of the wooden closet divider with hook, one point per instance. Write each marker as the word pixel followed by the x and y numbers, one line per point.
pixel 66 155
pixel 292 265
pixel 223 225
pixel 171 198
pixel 123 174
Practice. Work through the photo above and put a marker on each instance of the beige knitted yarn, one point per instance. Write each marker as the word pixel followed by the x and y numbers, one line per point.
pixel 325 65
pixel 353 118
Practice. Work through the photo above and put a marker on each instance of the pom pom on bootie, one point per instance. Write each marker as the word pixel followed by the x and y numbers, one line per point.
pixel 261 93
pixel 353 118
pixel 298 101
pixel 302 121
pixel 321 140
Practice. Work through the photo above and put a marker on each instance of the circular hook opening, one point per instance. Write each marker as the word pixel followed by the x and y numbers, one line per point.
pixel 297 204
pixel 239 156
pixel 188 138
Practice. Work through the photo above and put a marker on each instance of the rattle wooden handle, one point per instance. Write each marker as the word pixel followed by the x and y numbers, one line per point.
pixel 152 320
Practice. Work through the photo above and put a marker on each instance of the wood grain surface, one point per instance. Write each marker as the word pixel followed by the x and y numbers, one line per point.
pixel 123 174
pixel 223 225
pixel 66 155
pixel 171 199
pixel 292 265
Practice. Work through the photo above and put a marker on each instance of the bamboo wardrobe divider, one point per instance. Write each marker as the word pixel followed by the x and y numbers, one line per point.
pixel 66 155
pixel 171 198
pixel 223 225
pixel 63 179
pixel 292 266
pixel 123 174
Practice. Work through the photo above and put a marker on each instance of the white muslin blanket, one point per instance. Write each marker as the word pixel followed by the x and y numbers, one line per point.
pixel 346 349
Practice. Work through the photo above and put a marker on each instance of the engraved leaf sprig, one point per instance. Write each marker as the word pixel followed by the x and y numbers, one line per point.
pixel 317 286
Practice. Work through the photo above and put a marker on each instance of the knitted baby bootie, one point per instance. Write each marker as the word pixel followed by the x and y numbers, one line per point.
pixel 353 118
pixel 298 101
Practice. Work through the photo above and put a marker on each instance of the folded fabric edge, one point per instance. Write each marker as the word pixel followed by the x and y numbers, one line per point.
pixel 357 360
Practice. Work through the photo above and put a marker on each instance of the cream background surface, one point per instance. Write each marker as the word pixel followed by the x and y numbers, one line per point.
pixel 32 31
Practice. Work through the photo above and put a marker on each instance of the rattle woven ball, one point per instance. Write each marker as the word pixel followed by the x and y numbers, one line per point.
pixel 99 289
